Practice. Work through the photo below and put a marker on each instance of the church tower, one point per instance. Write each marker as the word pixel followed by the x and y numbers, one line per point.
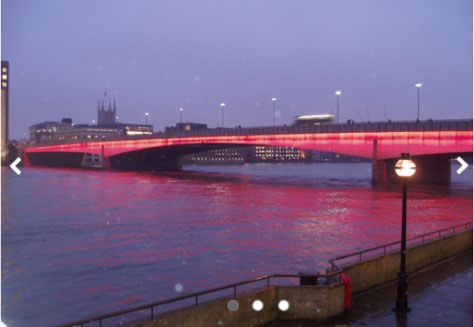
pixel 106 117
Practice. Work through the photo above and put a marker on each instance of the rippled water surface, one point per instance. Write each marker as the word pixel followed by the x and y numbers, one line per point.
pixel 77 243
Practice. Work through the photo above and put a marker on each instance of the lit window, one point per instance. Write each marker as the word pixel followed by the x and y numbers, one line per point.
pixel 4 69
pixel 4 84
pixel 4 77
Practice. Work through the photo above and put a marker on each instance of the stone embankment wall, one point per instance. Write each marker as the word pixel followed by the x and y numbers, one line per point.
pixel 382 269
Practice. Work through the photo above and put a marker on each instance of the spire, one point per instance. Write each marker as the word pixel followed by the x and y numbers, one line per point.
pixel 102 104
pixel 110 106
pixel 114 107
pixel 98 105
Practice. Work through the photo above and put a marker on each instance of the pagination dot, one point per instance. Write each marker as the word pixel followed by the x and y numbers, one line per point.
pixel 233 305
pixel 257 305
pixel 283 305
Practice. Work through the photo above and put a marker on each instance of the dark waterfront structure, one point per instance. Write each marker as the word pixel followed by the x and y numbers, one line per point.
pixel 431 143
pixel 5 110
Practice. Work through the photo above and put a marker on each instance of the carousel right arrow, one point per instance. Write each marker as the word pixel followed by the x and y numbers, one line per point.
pixel 463 167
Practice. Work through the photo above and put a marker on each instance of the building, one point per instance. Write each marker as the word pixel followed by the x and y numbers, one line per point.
pixel 249 154
pixel 223 156
pixel 183 127
pixel 107 128
pixel 66 131
pixel 5 109
pixel 320 156
pixel 279 154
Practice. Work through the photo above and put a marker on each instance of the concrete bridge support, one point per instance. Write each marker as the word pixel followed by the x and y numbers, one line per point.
pixel 429 170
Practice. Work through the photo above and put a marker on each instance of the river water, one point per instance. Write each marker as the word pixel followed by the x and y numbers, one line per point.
pixel 77 243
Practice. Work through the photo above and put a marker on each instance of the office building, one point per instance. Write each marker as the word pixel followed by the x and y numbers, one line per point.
pixel 4 124
pixel 107 128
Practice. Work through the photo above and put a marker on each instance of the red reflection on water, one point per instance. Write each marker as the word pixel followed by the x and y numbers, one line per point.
pixel 139 235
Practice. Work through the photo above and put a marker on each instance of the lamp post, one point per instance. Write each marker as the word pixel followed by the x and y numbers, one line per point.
pixel 337 93
pixel 181 115
pixel 404 168
pixel 222 107
pixel 274 100
pixel 146 118
pixel 418 87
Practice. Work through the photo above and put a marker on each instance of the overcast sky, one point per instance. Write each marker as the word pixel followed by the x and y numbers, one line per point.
pixel 156 56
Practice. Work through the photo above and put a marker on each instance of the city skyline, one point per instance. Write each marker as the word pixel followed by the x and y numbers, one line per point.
pixel 158 57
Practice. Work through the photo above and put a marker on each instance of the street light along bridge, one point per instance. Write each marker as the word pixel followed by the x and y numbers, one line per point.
pixel 431 144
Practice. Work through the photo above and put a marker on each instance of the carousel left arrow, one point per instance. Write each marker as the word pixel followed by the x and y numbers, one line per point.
pixel 14 167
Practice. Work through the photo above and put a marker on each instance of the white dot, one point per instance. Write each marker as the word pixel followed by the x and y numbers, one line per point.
pixel 257 305
pixel 283 305
pixel 178 288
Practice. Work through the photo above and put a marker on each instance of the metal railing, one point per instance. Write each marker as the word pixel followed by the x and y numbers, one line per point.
pixel 438 234
pixel 233 286
pixel 336 271
pixel 384 126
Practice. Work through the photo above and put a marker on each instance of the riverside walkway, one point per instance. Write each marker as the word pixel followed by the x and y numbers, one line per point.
pixel 435 299
pixel 440 295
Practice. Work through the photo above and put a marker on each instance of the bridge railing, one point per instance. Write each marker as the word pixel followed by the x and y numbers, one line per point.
pixel 195 296
pixel 396 126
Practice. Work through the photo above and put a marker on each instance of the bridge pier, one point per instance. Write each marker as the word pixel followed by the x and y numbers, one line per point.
pixel 379 172
pixel 429 170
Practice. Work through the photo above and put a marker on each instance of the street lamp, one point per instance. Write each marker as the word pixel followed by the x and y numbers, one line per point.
pixel 181 115
pixel 404 168
pixel 418 87
pixel 274 112
pixel 146 118
pixel 337 93
pixel 93 122
pixel 222 107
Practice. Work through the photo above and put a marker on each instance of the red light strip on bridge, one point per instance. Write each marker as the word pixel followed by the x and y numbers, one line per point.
pixel 390 144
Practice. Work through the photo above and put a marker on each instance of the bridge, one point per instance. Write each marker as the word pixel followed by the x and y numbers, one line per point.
pixel 431 144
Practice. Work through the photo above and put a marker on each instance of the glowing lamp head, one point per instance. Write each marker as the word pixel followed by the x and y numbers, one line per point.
pixel 274 99
pixel 222 104
pixel 418 85
pixel 338 93
pixel 146 113
pixel 181 109
pixel 405 167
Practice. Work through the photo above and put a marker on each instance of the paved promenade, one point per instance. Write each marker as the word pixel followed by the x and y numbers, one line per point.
pixel 438 296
